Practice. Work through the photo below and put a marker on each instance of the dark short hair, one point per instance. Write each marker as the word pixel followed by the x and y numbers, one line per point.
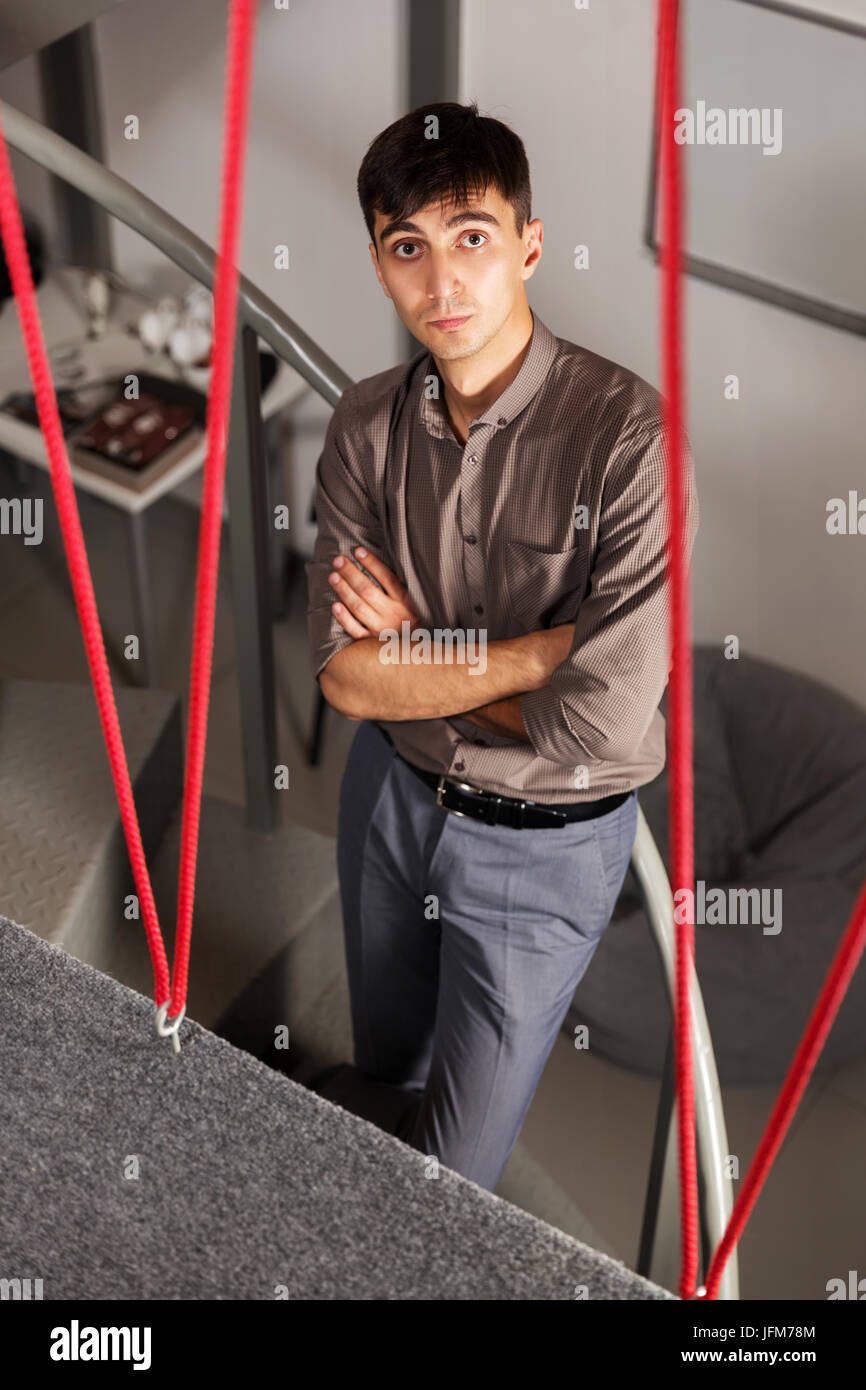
pixel 403 170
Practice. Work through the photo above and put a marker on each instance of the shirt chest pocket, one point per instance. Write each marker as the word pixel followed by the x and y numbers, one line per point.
pixel 543 587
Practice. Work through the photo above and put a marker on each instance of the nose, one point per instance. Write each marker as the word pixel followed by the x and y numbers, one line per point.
pixel 442 283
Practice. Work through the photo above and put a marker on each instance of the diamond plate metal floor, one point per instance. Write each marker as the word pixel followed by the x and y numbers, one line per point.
pixel 64 869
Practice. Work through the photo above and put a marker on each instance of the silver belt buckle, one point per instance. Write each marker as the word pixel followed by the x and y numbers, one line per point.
pixel 467 786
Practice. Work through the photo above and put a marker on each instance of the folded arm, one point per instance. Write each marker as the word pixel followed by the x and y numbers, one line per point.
pixel 346 653
pixel 358 684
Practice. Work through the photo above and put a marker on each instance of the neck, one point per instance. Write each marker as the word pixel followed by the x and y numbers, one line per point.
pixel 472 384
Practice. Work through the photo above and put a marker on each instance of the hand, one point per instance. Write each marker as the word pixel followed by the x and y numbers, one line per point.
pixel 366 610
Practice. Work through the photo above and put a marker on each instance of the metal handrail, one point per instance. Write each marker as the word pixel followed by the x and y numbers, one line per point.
pixel 258 314
pixel 716 1195
pixel 48 149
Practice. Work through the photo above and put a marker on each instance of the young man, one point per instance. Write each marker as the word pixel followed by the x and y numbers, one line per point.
pixel 506 486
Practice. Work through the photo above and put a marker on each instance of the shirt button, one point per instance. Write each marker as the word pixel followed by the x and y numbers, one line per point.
pixel 502 420
pixel 473 458
pixel 470 540
pixel 458 767
pixel 479 608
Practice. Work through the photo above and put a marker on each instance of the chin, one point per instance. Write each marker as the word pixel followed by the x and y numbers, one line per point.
pixel 453 353
pixel 450 346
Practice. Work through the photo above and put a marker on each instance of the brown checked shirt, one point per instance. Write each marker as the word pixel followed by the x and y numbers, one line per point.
pixel 553 511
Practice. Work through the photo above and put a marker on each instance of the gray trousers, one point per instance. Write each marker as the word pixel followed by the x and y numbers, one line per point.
pixel 464 945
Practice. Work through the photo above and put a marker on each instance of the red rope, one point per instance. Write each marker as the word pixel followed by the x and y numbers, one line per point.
pixel 681 809
pixel 241 25
pixel 681 786
pixel 820 1022
pixel 240 44
pixel 76 556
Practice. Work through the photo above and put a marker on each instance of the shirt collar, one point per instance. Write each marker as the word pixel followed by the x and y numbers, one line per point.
pixel 533 370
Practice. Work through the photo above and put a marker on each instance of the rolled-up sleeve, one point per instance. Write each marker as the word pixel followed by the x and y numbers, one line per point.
pixel 346 516
pixel 602 697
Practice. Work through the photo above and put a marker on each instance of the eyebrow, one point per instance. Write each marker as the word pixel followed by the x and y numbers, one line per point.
pixel 457 220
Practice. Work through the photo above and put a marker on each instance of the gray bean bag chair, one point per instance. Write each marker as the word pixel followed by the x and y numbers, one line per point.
pixel 780 806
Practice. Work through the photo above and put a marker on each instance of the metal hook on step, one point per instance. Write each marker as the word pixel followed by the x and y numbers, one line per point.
pixel 169 1030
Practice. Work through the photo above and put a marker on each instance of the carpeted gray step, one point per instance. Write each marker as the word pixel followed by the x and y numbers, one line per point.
pixel 132 1173
pixel 64 867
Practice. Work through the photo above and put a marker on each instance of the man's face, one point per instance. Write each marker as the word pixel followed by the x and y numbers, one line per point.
pixel 456 262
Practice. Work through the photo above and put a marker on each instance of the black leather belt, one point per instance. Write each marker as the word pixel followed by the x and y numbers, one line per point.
pixel 464 799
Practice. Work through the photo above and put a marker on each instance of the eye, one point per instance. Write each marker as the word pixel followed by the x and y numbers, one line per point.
pixel 398 246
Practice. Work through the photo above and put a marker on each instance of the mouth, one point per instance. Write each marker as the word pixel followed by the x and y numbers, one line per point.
pixel 446 325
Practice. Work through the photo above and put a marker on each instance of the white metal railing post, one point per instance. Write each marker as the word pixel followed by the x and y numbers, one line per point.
pixel 660 1243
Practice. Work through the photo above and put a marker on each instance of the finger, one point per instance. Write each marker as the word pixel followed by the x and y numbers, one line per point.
pixel 365 600
pixel 379 570
pixel 345 619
